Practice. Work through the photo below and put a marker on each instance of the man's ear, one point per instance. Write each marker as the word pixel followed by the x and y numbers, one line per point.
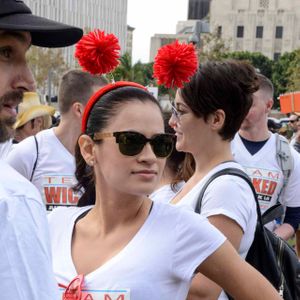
pixel 217 119
pixel 270 103
pixel 78 109
pixel 86 145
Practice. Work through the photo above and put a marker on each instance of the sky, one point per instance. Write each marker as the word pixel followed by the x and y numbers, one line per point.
pixel 152 16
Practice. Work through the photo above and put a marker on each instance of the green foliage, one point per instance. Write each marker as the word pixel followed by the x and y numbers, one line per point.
pixel 213 47
pixel 139 72
pixel 45 60
pixel 294 71
pixel 261 62
pixel 281 73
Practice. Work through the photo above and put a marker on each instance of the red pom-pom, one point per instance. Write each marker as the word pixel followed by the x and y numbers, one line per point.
pixel 97 52
pixel 174 64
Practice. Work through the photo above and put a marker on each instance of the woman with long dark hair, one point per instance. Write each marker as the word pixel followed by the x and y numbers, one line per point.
pixel 121 245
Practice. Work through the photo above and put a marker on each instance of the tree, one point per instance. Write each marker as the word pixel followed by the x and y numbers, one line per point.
pixel 139 72
pixel 261 62
pixel 213 47
pixel 42 61
pixel 281 72
pixel 294 73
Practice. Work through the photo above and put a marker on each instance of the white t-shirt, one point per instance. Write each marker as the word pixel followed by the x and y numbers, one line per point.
pixel 25 261
pixel 230 196
pixel 266 174
pixel 55 168
pixel 158 263
pixel 5 148
pixel 165 193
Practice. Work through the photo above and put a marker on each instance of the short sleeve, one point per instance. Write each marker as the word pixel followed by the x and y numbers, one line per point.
pixel 291 195
pixel 195 240
pixel 22 157
pixel 230 196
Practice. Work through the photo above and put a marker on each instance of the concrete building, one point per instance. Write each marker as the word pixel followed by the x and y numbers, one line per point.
pixel 198 9
pixel 186 32
pixel 271 27
pixel 107 15
pixel 129 39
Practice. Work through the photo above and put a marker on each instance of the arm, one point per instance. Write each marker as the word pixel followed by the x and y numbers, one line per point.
pixel 202 287
pixel 241 280
pixel 26 263
pixel 290 223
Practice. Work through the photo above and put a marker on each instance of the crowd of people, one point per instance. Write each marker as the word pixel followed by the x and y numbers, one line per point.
pixel 102 205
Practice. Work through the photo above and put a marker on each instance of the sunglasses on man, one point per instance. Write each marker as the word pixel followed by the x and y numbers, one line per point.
pixel 132 143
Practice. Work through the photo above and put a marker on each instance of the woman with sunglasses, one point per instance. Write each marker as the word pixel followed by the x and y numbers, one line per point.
pixel 118 244
pixel 207 113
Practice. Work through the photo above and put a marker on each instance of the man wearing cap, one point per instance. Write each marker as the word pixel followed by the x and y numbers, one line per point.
pixel 32 117
pixel 25 264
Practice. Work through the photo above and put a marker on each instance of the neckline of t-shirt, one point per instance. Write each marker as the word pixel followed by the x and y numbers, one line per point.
pixel 200 183
pixel 60 144
pixel 261 151
pixel 137 239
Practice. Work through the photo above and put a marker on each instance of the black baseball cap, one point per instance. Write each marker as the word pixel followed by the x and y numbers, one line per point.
pixel 16 15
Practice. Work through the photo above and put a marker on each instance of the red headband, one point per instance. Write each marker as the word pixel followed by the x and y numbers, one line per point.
pixel 95 97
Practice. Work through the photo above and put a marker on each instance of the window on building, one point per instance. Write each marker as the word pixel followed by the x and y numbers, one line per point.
pixel 279 32
pixel 240 32
pixel 276 55
pixel 259 32
pixel 219 31
pixel 264 3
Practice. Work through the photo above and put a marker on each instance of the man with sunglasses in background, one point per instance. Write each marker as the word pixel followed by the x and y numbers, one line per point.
pixel 294 124
pixel 25 263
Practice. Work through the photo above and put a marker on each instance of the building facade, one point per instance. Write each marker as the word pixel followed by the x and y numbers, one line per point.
pixel 198 9
pixel 186 32
pixel 271 27
pixel 129 40
pixel 107 15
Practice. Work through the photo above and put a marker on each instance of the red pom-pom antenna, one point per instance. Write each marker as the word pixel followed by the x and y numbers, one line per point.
pixel 174 64
pixel 97 52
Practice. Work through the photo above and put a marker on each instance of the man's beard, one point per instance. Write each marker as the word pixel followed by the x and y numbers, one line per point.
pixel 11 99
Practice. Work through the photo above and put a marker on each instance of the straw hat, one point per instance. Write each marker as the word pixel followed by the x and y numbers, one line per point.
pixel 31 108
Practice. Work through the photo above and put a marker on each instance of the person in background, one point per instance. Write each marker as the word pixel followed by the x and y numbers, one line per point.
pixel 49 162
pixel 119 243
pixel 293 120
pixel 172 179
pixel 32 117
pixel 205 120
pixel 25 264
pixel 254 147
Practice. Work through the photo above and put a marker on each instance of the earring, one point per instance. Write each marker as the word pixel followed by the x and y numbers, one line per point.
pixel 91 162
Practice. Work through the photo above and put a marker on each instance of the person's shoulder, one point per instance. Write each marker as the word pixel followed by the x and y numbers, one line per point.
pixel 64 214
pixel 14 184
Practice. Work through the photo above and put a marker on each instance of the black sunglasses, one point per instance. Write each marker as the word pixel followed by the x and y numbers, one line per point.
pixel 132 143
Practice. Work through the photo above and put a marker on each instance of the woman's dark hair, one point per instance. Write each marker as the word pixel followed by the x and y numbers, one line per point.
pixel 101 113
pixel 227 85
pixel 175 160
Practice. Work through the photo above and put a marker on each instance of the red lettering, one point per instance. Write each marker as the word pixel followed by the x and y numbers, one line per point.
pixel 66 180
pixel 64 195
pixel 273 175
pixel 257 173
pixel 72 199
pixel 256 183
pixel 265 185
pixel 107 297
pixel 272 188
pixel 49 179
pixel 52 194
